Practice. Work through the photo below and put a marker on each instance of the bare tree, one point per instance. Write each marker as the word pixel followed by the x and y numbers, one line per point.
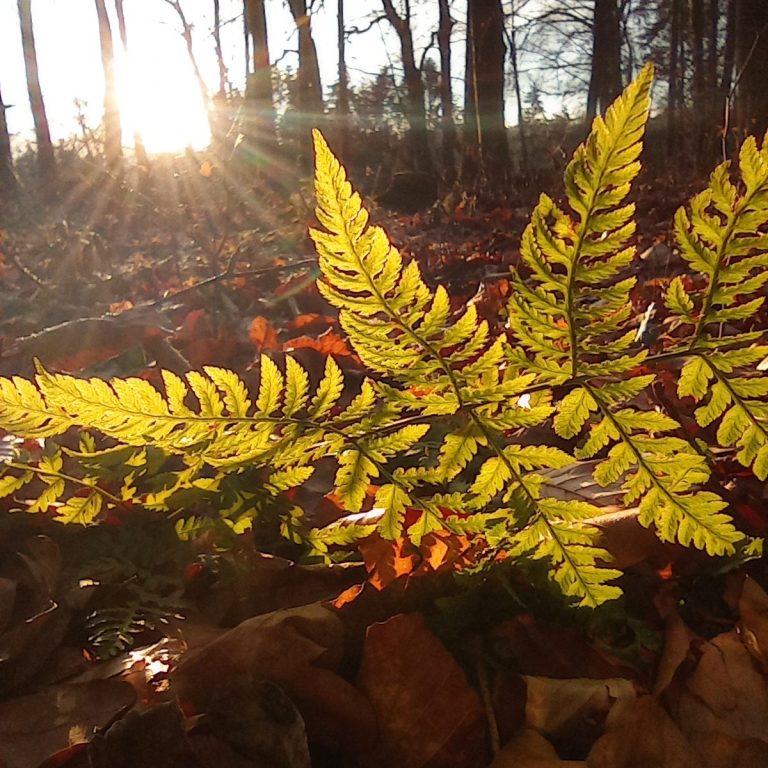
pixel 486 148
pixel 186 33
pixel 342 101
pixel 420 155
pixel 8 183
pixel 260 106
pixel 751 106
pixel 675 91
pixel 217 45
pixel 310 88
pixel 514 59
pixel 605 78
pixel 45 159
pixel 113 132
pixel 444 28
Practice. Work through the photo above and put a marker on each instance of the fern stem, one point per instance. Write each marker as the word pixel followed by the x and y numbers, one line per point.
pixel 737 399
pixel 722 252
pixel 393 316
pixel 491 437
pixel 67 478
pixel 641 462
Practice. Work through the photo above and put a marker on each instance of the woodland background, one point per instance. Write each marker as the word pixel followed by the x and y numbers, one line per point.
pixel 115 261
pixel 433 111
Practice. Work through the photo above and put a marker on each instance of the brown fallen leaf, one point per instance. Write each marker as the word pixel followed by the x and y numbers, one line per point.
pixel 262 334
pixel 553 650
pixel 152 739
pixel 299 649
pixel 677 642
pixel 725 693
pixel 560 708
pixel 36 726
pixel 753 609
pixel 428 714
pixel 259 722
pixel 529 749
pixel 721 751
pixel 639 733
pixel 41 617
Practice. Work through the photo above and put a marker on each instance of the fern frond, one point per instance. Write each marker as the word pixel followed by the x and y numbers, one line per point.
pixel 724 235
pixel 396 324
pixel 571 318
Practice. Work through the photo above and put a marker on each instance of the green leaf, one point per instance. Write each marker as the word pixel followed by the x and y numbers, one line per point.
pixel 677 299
pixel 694 378
pixel 573 412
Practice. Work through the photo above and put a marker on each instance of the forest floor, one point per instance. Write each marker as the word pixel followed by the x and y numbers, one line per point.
pixel 259 656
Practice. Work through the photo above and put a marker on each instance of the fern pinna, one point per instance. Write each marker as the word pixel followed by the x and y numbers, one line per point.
pixel 433 435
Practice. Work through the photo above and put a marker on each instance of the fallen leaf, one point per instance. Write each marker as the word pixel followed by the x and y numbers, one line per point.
pixel 428 714
pixel 34 727
pixel 639 733
pixel 262 335
pixel 677 642
pixel 260 722
pixel 721 751
pixel 328 343
pixel 560 707
pixel 298 649
pixel 552 650
pixel 725 693
pixel 529 749
pixel 753 609
pixel 387 560
pixel 155 738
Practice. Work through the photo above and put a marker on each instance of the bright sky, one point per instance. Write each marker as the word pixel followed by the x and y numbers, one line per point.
pixel 157 90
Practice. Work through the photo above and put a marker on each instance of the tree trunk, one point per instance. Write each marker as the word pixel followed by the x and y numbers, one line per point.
pixel 702 112
pixel 45 159
pixel 416 113
pixel 674 93
pixel 751 58
pixel 485 89
pixel 113 133
pixel 605 79
pixel 725 94
pixel 342 102
pixel 8 183
pixel 518 94
pixel 138 142
pixel 310 87
pixel 448 147
pixel 260 106
pixel 217 44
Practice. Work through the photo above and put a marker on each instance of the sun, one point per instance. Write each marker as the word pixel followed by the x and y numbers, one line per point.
pixel 163 102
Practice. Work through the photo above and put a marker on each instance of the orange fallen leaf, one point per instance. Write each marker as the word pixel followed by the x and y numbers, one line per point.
pixel 386 560
pixel 427 712
pixel 262 335
pixel 328 343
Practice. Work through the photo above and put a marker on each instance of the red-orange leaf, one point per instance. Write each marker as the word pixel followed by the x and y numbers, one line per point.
pixel 428 714
pixel 262 335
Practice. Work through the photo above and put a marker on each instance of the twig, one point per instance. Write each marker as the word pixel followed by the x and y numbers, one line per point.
pixel 28 273
pixel 230 274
